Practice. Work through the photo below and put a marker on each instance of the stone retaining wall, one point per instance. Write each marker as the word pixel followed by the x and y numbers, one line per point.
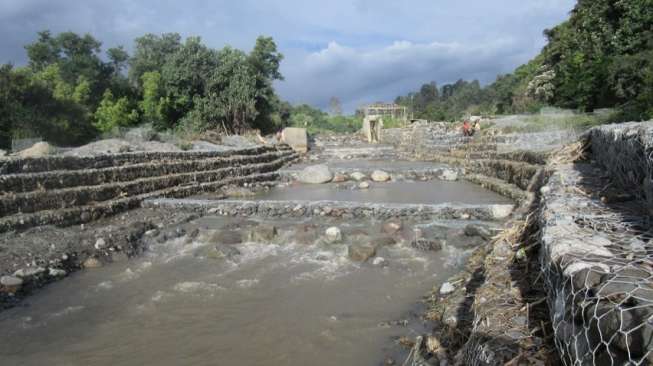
pixel 596 250
pixel 69 190
pixel 50 163
pixel 626 152
pixel 484 160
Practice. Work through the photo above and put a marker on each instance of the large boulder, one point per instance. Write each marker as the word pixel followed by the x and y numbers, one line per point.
pixel 296 138
pixel 449 175
pixel 478 230
pixel 10 284
pixel 380 176
pixel 92 262
pixel 333 234
pixel 361 252
pixel 392 226
pixel 316 174
pixel 357 176
pixel 339 178
pixel 38 150
pixel 306 234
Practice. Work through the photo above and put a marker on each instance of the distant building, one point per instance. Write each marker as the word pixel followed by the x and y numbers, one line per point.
pixel 383 110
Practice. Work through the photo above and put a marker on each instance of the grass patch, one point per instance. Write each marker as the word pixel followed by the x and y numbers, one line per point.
pixel 553 122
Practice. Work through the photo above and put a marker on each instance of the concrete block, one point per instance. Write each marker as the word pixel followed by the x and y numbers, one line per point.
pixel 296 138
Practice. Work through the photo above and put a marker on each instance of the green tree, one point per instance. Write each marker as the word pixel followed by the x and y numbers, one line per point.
pixel 76 57
pixel 151 53
pixel 601 55
pixel 28 108
pixel 184 77
pixel 114 113
pixel 230 99
pixel 153 104
pixel 264 61
pixel 118 58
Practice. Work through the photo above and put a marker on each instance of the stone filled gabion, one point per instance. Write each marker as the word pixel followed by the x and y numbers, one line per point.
pixel 337 209
pixel 597 255
pixel 67 190
pixel 626 152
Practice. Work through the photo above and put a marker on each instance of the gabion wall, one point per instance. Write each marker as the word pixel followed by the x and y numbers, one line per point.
pixel 626 152
pixel 597 254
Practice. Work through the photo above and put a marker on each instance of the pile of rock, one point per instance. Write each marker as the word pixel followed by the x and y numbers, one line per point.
pixel 321 174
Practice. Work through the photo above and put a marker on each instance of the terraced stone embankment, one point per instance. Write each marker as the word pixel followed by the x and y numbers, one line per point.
pixel 486 160
pixel 69 190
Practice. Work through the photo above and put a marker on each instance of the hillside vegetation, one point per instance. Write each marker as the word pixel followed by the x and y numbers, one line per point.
pixel 601 57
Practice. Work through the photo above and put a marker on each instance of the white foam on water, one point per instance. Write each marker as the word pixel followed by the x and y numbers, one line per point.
pixel 104 285
pixel 247 283
pixel 251 251
pixel 326 264
pixel 174 249
pixel 67 311
pixel 132 274
pixel 197 287
pixel 27 322
pixel 179 248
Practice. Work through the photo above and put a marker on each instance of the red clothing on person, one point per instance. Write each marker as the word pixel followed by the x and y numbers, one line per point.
pixel 466 129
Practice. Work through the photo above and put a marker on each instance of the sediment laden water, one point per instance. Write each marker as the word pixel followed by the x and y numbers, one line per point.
pixel 395 192
pixel 281 303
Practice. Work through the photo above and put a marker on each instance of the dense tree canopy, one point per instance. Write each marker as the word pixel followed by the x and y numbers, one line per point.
pixel 603 57
pixel 69 92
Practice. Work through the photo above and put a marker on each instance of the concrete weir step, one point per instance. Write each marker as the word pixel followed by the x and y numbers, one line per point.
pixel 340 209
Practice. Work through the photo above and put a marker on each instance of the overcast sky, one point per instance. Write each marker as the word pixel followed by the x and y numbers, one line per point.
pixel 357 50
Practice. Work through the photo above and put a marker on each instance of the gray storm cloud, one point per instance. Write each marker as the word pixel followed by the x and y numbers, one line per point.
pixel 360 76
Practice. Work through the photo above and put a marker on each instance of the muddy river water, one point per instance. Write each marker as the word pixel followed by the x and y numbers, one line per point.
pixel 274 302
pixel 396 192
